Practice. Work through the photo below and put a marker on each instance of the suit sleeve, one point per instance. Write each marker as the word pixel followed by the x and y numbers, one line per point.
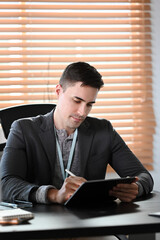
pixel 125 163
pixel 14 167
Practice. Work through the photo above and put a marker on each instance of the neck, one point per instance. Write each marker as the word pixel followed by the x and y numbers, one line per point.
pixel 59 125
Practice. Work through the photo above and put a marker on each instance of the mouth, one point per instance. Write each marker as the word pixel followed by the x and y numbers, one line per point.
pixel 77 119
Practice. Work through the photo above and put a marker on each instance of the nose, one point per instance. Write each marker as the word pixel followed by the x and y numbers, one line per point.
pixel 82 110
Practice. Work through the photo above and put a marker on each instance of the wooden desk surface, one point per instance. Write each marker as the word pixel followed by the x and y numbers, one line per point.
pixel 56 221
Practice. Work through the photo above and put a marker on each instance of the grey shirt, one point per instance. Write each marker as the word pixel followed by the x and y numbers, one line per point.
pixel 65 143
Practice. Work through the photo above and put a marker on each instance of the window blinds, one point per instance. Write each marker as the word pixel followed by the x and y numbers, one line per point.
pixel 38 39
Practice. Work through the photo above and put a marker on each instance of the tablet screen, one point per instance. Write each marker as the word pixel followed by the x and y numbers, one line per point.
pixel 95 192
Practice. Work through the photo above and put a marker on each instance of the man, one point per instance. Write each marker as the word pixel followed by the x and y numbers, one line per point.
pixel 31 166
pixel 39 149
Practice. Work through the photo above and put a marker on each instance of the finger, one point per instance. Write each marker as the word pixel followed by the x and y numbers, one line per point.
pixel 131 194
pixel 72 182
pixel 70 185
pixel 76 180
pixel 125 193
pixel 125 197
pixel 126 187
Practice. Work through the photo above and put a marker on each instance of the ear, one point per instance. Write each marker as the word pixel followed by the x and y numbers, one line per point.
pixel 58 90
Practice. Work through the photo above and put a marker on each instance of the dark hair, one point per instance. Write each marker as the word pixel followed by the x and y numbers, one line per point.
pixel 81 72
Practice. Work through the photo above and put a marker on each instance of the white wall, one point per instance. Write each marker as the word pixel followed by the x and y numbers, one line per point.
pixel 156 91
pixel 156 87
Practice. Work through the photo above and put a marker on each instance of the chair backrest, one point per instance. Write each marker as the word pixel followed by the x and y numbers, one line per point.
pixel 10 114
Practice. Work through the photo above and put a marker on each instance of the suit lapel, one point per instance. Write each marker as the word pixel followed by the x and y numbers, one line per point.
pixel 85 138
pixel 48 138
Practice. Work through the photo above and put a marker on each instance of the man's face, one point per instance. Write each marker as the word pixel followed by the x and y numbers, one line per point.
pixel 74 104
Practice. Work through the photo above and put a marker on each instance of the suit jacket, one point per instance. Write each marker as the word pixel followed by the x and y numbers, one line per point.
pixel 29 156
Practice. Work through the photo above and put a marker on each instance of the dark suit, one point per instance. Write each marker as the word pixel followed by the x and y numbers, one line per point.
pixel 29 156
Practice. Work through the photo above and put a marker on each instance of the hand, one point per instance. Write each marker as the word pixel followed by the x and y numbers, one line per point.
pixel 125 192
pixel 69 186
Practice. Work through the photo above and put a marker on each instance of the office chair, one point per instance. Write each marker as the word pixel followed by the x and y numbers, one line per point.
pixel 10 114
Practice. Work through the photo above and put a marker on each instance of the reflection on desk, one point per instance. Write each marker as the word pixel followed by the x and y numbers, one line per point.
pixel 109 210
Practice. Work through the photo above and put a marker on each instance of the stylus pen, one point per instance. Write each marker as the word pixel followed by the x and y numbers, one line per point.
pixel 70 173
pixel 11 205
pixel 23 203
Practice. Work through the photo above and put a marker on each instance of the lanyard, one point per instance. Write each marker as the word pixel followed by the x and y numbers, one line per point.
pixel 65 174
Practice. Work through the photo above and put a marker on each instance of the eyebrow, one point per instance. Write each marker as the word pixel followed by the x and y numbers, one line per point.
pixel 83 99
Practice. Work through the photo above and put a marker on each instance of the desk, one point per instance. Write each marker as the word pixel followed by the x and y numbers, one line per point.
pixel 56 221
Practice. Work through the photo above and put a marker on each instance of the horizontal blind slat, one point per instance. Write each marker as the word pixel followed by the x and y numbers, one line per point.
pixel 77 29
pixel 54 36
pixel 28 6
pixel 54 74
pixel 76 51
pixel 68 59
pixel 143 43
pixel 105 66
pixel 133 14
pixel 40 21
pixel 54 81
pixel 113 1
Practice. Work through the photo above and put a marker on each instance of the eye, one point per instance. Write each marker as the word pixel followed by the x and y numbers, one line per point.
pixel 77 101
pixel 89 105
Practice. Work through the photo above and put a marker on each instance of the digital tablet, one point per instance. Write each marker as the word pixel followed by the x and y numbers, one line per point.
pixel 95 192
